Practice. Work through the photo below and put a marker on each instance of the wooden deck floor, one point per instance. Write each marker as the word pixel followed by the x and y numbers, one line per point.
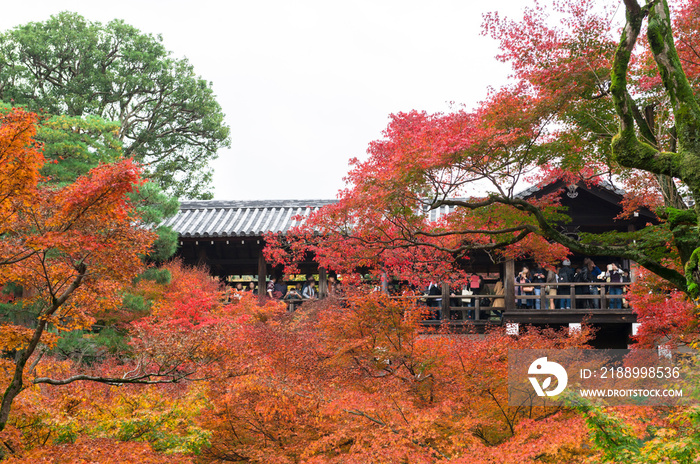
pixel 459 317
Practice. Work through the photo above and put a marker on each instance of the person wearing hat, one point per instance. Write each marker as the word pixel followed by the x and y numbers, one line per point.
pixel 614 275
pixel 566 274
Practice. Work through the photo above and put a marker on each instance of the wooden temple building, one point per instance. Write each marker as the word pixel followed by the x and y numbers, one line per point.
pixel 228 237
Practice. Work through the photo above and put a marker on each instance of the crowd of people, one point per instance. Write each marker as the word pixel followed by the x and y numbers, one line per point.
pixel 588 279
pixel 472 293
pixel 278 289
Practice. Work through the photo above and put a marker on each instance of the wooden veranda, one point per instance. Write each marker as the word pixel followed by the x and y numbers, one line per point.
pixel 229 236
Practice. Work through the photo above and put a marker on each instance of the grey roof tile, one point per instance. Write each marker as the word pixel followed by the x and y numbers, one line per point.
pixel 217 218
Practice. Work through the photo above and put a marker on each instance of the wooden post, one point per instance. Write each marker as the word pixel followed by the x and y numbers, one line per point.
pixel 322 282
pixel 262 276
pixel 445 309
pixel 603 297
pixel 543 297
pixel 572 295
pixel 509 285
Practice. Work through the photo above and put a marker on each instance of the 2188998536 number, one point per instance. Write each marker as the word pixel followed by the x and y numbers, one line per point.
pixel 636 372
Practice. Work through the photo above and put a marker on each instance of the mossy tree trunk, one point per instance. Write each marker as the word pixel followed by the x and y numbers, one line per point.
pixel 631 152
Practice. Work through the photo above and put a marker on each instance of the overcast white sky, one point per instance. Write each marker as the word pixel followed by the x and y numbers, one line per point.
pixel 307 85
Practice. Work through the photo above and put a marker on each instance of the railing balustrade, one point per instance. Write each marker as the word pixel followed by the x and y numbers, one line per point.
pixel 608 295
pixel 481 307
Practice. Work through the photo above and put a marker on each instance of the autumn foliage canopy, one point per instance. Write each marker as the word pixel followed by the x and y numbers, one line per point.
pixel 196 377
pixel 438 188
pixel 65 252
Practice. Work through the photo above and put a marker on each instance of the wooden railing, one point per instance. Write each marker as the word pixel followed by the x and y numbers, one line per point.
pixel 572 299
pixel 603 299
pixel 474 307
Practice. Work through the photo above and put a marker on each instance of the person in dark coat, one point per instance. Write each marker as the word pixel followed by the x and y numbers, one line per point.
pixel 566 274
pixel 593 273
pixel 539 276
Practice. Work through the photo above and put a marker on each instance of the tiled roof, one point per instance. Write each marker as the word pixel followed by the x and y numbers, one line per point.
pixel 604 184
pixel 216 218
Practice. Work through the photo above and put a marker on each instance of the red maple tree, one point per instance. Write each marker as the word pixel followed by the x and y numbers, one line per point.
pixel 68 249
